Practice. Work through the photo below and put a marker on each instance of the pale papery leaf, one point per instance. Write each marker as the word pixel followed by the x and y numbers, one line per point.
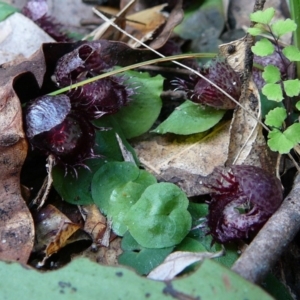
pixel 15 28
pixel 176 262
pixel 246 131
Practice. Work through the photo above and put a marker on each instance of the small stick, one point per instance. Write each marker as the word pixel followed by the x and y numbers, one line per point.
pixel 106 236
pixel 44 191
pixel 127 155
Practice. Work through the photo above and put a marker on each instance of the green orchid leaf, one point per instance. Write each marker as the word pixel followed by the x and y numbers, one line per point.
pixel 76 189
pixel 116 186
pixel 107 178
pixel 190 118
pixel 159 219
pixel 106 141
pixel 142 111
pixel 123 197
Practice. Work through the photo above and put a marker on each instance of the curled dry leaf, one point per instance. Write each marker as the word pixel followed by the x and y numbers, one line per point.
pixel 53 229
pixel 176 262
pixel 16 224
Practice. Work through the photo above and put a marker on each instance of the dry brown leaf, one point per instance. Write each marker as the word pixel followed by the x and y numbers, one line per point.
pixel 247 143
pixel 60 240
pixel 105 30
pixel 95 222
pixel 70 13
pixel 143 24
pixel 192 154
pixel 175 18
pixel 176 262
pixel 16 224
pixel 53 229
pixel 244 128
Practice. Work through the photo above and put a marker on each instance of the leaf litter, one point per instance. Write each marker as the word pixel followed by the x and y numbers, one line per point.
pixel 245 151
